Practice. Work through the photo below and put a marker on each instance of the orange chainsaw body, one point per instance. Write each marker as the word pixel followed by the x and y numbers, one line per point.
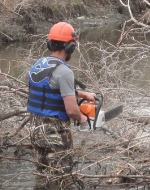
pixel 88 109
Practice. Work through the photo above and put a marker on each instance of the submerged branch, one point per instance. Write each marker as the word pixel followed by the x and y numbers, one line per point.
pixel 97 176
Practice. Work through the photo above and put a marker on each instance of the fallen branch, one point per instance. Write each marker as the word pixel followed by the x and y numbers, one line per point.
pixel 11 114
pixel 96 176
pixel 25 121
pixel 19 91
pixel 113 176
pixel 144 120
pixel 15 79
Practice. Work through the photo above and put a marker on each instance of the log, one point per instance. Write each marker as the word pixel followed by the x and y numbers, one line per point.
pixel 145 119
pixel 12 113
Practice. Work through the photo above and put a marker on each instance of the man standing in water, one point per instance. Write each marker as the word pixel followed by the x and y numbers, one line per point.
pixel 52 100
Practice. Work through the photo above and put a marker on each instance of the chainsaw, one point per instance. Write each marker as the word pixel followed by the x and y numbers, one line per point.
pixel 96 116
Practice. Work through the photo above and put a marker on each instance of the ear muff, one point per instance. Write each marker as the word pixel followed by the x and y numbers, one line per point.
pixel 70 47
pixel 49 46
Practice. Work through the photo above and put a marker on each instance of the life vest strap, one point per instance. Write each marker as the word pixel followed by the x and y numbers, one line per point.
pixel 40 89
pixel 46 107
pixel 48 100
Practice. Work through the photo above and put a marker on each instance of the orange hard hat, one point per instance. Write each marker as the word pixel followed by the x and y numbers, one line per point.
pixel 62 31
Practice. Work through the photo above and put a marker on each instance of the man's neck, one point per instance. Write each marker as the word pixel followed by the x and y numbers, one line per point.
pixel 59 54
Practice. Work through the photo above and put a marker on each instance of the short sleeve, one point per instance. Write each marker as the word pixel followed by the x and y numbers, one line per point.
pixel 66 84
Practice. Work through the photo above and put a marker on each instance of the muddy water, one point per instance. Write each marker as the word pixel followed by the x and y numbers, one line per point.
pixel 11 55
pixel 20 173
pixel 16 176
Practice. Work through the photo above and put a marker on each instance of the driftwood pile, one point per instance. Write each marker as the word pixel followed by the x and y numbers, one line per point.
pixel 119 152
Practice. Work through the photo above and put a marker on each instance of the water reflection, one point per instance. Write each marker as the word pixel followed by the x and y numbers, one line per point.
pixel 108 34
pixel 12 57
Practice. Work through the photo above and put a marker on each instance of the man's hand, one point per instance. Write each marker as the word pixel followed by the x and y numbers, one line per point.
pixel 89 96
pixel 73 110
pixel 83 119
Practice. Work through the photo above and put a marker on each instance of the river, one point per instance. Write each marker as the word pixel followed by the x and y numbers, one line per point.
pixel 11 60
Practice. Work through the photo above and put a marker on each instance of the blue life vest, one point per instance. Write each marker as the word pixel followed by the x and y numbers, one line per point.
pixel 43 100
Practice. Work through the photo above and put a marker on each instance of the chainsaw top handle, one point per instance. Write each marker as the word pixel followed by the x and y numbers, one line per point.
pixel 99 100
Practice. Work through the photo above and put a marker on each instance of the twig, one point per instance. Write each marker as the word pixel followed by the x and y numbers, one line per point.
pixel 7 36
pixel 11 10
pixel 21 140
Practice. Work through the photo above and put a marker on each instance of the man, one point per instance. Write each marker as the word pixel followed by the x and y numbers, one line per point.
pixel 53 100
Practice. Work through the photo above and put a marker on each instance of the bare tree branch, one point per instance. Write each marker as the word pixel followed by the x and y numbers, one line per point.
pixel 145 1
pixel 12 113
pixel 124 33
pixel 131 15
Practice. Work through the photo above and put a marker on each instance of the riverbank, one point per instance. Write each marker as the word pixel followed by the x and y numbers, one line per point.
pixel 25 20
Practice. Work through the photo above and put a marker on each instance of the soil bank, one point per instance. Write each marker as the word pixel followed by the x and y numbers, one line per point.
pixel 25 20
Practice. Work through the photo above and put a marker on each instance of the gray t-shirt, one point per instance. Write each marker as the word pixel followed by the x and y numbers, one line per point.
pixel 63 78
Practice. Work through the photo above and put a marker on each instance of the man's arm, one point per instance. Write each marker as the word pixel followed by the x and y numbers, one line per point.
pixel 73 110
pixel 65 78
